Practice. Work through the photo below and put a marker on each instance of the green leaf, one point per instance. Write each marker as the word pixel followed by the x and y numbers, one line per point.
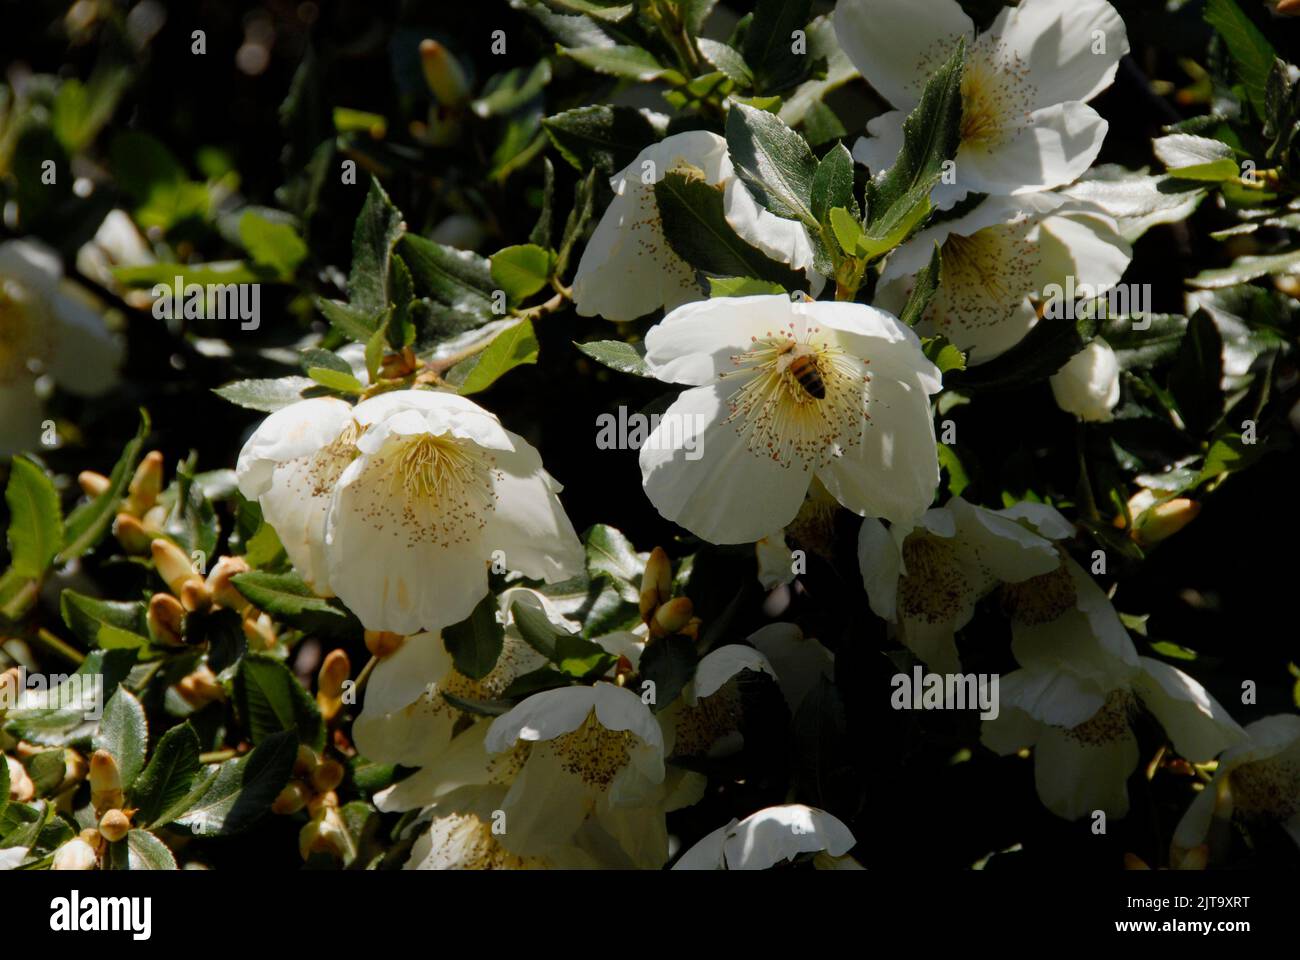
pixel 743 287
pixel 334 380
pixel 1197 373
pixel 727 59
pixel 459 278
pixel 88 523
pixel 573 655
pixel 325 359
pixel 378 229
pixel 899 199
pixel 1244 269
pixel 475 642
pixel 228 797
pixel 267 396
pixel 943 354
pixel 924 287
pixel 958 478
pixel 669 663
pixel 521 270
pixel 805 101
pixel 65 719
pixel 169 776
pixel 611 12
pixel 272 244
pixel 768 46
pixel 774 161
pixel 601 136
pixel 124 733
pixel 1251 52
pixel 4 790
pixel 286 596
pixel 214 272
pixel 617 355
pixel 352 322
pixel 609 552
pixel 695 226
pixel 270 699
pixel 630 62
pixel 849 233
pixel 141 850
pixel 507 92
pixel 35 519
pixel 832 185
pixel 107 624
pixel 511 347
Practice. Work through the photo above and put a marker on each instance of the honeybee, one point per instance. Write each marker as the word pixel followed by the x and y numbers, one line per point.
pixel 805 372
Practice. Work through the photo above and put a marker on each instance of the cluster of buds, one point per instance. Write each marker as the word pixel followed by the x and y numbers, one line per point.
pixel 451 91
pixel 141 517
pixel 20 783
pixel 663 613
pixel 107 799
pixel 191 592
pixel 1155 520
pixel 312 788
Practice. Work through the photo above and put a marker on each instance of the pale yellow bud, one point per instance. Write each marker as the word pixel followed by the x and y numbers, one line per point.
pixel 172 565
pixel 145 486
pixel 75 769
pixel 1163 520
pixel 382 644
pixel 21 787
pixel 114 825
pixel 305 762
pixel 200 688
pixel 329 683
pixel 131 534
pixel 223 591
pixel 92 484
pixel 327 776
pixel 322 800
pixel 92 837
pixel 76 854
pixel 656 583
pixel 166 619
pixel 444 74
pixel 292 798
pixel 672 616
pixel 325 833
pixel 105 782
pixel 195 596
pixel 260 631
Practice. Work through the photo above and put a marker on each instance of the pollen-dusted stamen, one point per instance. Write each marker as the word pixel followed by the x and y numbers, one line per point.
pixel 699 727
pixel 436 489
pixel 996 93
pixel 23 337
pixel 329 462
pixel 1108 724
pixel 593 753
pixel 1270 787
pixel 985 277
pixel 1040 599
pixel 778 418
pixel 464 842
pixel 935 588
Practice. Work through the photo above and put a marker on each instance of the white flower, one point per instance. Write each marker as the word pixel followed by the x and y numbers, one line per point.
pixel 1082 734
pixel 768 837
pixel 1002 259
pixel 405 718
pixel 291 466
pixel 1257 778
pixel 733 457
pixel 628 268
pixel 800 662
pixel 928 577
pixel 593 752
pixel 45 331
pixel 1025 124
pixel 706 720
pixel 12 857
pixel 1088 385
pixel 117 243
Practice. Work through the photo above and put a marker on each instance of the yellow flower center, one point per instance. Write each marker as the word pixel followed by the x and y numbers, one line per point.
pixel 803 401
pixel 1109 723
pixel 593 753
pixel 1040 599
pixel 935 587
pixel 1270 787
pixel 985 278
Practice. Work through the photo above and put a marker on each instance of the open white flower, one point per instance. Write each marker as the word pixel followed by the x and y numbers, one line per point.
pixel 706 720
pixel 1082 729
pixel 927 578
pixel 437 487
pixel 1088 385
pixel 769 837
pixel 594 753
pixel 45 332
pixel 291 466
pixel 628 268
pixel 406 719
pixel 1025 123
pixel 800 662
pixel 1258 778
pixel 1000 261
pixel 732 458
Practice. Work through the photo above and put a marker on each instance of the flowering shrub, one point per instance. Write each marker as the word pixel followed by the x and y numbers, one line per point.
pixel 662 433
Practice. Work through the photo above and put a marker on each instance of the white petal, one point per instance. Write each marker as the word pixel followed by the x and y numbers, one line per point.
pixel 621 709
pixel 897 44
pixel 1194 827
pixel 406 675
pixel 1051 148
pixel 1009 551
pixel 529 524
pixel 1046 520
pixel 295 431
pixel 85 357
pixel 1059 41
pixel 880 148
pixel 720 665
pixel 771 836
pixel 543 716
pixel 1074 778
pixel 1198 726
pixel 695 343
pixel 880 559
pixel 799 662
pixel 11 857
pixel 545 805
pixel 775 560
pixel 706 854
pixel 1010 731
pixel 781 239
pixel 1088 385
pixel 1055 697
pixel 709 481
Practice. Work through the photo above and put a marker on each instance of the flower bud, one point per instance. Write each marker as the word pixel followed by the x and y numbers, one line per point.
pixel 21 787
pixel 172 564
pixel 260 631
pixel 672 616
pixel 305 762
pixel 145 486
pixel 1286 8
pixel 292 798
pixel 75 769
pixel 327 776
pixel 320 801
pixel 656 582
pixel 131 534
pixel 195 596
pixel 92 484
pixel 105 782
pixel 114 825
pixel 76 854
pixel 382 644
pixel 219 582
pixel 1088 385
pixel 1163 520
pixel 91 836
pixel 325 833
pixel 444 74
pixel 200 688
pixel 166 619
pixel 329 683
